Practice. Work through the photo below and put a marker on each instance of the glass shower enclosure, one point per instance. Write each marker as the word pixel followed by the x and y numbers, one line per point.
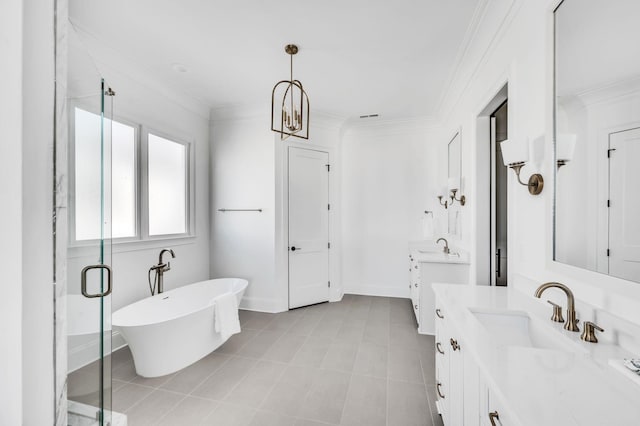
pixel 82 229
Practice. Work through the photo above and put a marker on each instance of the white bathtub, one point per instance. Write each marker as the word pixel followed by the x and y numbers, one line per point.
pixel 172 330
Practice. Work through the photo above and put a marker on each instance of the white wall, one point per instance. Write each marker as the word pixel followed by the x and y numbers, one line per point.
pixel 243 177
pixel 11 214
pixel 26 371
pixel 389 178
pixel 520 53
pixel 37 202
pixel 248 164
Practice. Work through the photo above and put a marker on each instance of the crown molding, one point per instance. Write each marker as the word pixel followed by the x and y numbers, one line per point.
pixel 456 90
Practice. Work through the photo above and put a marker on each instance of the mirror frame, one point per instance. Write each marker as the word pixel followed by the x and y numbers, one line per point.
pixel 454 207
pixel 570 274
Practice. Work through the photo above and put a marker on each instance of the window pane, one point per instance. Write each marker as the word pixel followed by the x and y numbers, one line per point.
pixel 88 178
pixel 87 175
pixel 123 178
pixel 167 186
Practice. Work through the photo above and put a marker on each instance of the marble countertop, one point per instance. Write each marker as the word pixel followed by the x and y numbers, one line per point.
pixel 542 386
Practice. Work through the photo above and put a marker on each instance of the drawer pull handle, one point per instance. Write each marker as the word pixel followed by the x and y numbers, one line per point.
pixel 493 416
pixel 439 348
pixel 438 390
pixel 454 344
pixel 439 313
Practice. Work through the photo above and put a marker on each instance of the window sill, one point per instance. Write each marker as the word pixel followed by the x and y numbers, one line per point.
pixel 124 246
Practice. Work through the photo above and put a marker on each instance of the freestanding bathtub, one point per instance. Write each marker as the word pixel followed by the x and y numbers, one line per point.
pixel 174 329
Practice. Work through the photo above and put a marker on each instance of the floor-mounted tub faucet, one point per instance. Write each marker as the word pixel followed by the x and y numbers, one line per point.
pixel 160 269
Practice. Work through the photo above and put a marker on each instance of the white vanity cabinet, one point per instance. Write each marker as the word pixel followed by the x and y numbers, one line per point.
pixel 414 284
pixel 457 376
pixel 426 268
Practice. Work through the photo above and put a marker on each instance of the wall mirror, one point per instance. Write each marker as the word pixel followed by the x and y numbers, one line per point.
pixel 597 136
pixel 454 168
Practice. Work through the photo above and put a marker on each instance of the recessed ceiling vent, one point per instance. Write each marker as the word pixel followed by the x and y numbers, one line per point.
pixel 369 116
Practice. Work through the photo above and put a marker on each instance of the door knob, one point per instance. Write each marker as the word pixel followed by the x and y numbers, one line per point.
pixel 294 248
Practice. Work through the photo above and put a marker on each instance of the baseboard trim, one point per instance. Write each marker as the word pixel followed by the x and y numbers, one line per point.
pixel 86 353
pixel 381 291
pixel 262 305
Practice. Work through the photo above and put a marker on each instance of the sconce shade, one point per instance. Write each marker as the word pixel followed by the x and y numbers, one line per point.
pixel 565 146
pixel 453 183
pixel 514 152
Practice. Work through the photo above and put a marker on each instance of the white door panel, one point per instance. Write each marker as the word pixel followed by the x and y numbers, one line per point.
pixel 308 227
pixel 624 211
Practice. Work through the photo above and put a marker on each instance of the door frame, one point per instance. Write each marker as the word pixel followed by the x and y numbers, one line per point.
pixel 281 150
pixel 483 188
pixel 329 225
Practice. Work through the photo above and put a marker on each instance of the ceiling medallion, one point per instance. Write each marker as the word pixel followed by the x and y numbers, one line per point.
pixel 292 112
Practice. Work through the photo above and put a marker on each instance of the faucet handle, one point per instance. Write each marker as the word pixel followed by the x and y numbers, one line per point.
pixel 557 312
pixel 589 332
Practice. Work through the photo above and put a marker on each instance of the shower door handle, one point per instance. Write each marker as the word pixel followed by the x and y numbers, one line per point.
pixel 83 281
pixel 498 263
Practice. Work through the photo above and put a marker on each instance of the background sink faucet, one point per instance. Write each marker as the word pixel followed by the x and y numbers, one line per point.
pixel 445 249
pixel 572 321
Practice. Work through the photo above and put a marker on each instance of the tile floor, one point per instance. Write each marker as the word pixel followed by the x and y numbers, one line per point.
pixel 356 362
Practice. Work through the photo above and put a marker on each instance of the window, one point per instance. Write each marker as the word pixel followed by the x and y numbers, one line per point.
pixel 167 186
pixel 162 182
pixel 90 152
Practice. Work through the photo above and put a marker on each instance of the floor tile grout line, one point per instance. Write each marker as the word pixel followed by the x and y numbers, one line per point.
pixel 148 396
pixel 209 375
pixel 426 390
pixel 388 368
pixel 233 387
pixel 170 410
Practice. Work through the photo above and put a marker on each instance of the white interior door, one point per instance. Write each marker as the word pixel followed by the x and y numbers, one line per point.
pixel 624 210
pixel 308 227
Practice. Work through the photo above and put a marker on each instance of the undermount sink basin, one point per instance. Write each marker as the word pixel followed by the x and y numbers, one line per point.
pixel 430 255
pixel 515 328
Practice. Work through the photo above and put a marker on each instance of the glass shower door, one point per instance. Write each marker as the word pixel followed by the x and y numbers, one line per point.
pixel 88 268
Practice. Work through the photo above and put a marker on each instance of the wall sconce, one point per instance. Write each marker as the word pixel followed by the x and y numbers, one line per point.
pixel 565 145
pixel 446 202
pixel 453 188
pixel 515 156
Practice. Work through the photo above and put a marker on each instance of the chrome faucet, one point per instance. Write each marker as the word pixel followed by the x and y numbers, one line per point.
pixel 445 249
pixel 159 270
pixel 572 321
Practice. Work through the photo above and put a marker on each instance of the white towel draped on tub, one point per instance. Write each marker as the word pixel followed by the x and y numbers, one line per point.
pixel 226 315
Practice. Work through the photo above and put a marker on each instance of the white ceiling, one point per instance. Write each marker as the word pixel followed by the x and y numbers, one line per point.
pixel 356 57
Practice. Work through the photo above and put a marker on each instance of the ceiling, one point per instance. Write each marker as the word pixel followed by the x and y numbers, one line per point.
pixel 393 58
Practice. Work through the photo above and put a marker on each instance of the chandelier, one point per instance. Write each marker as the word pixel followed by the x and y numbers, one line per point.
pixel 291 116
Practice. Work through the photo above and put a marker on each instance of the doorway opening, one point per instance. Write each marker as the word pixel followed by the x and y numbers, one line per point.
pixel 492 127
pixel 499 133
